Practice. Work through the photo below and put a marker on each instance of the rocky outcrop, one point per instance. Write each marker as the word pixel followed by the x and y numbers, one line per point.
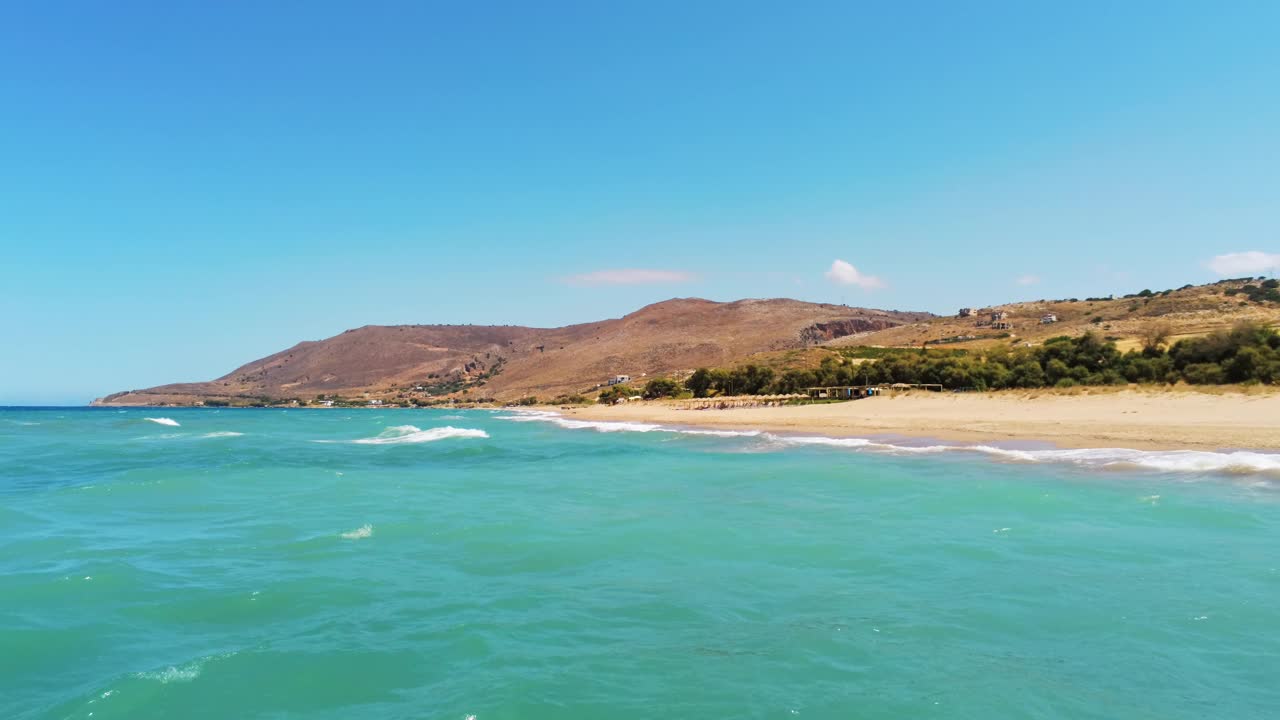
pixel 818 333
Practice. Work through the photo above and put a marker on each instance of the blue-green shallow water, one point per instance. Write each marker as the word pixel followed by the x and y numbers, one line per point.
pixel 152 571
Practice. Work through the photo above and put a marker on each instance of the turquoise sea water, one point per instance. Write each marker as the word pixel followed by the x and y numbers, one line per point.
pixel 264 564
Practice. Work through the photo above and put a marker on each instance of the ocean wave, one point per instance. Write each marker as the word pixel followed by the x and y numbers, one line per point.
pixel 718 433
pixel 186 673
pixel 363 531
pixel 1172 461
pixel 408 434
pixel 598 426
pixel 1168 461
pixel 189 436
pixel 163 421
pixel 181 673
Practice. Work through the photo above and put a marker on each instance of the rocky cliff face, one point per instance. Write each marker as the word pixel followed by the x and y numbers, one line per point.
pixel 827 331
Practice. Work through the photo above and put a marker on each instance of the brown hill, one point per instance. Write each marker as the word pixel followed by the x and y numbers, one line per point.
pixel 420 362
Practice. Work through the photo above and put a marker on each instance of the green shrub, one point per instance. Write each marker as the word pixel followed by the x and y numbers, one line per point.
pixel 1203 374
pixel 569 400
pixel 615 393
pixel 661 388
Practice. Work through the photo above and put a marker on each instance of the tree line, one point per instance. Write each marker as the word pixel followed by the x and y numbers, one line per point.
pixel 1247 353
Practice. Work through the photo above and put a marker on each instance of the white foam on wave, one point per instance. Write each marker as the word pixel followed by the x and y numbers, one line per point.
pixel 363 531
pixel 187 673
pixel 557 419
pixel 409 434
pixel 718 433
pixel 1169 461
pixel 184 673
pixel 615 426
pixel 820 440
pixel 163 421
pixel 608 426
pixel 1172 461
pixel 189 436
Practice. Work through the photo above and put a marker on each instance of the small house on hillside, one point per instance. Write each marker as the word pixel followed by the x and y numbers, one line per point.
pixel 619 379
pixel 999 315
pixel 1048 318
pixel 966 312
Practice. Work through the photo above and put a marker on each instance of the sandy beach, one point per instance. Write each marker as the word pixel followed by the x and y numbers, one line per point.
pixel 1140 419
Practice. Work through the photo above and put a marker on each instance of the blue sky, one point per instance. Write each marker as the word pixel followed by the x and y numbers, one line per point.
pixel 186 186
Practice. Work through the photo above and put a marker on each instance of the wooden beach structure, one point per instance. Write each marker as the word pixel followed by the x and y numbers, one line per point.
pixel 857 392
pixel 845 392
pixel 842 392
pixel 743 401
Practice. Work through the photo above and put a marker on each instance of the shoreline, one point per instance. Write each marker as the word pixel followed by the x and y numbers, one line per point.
pixel 1139 420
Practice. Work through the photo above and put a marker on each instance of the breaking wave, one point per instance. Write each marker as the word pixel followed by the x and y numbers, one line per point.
pixel 408 434
pixel 222 434
pixel 603 426
pixel 184 673
pixel 363 531
pixel 187 673
pixel 1241 462
pixel 163 421
pixel 1190 461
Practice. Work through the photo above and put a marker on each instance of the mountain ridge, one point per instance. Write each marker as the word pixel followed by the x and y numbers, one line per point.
pixel 504 362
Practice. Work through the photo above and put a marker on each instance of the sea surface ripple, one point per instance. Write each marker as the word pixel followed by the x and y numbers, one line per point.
pixel 339 563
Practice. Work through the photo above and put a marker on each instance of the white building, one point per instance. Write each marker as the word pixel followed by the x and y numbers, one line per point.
pixel 619 379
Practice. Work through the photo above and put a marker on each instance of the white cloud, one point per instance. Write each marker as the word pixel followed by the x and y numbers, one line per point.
pixel 842 273
pixel 1028 280
pixel 630 276
pixel 1252 262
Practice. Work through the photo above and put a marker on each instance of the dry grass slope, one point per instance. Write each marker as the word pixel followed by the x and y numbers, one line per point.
pixel 1187 312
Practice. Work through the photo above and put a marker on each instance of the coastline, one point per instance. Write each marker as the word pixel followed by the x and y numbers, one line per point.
pixel 1136 419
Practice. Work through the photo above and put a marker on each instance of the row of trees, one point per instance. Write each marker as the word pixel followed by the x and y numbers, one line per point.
pixel 1267 291
pixel 1247 353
